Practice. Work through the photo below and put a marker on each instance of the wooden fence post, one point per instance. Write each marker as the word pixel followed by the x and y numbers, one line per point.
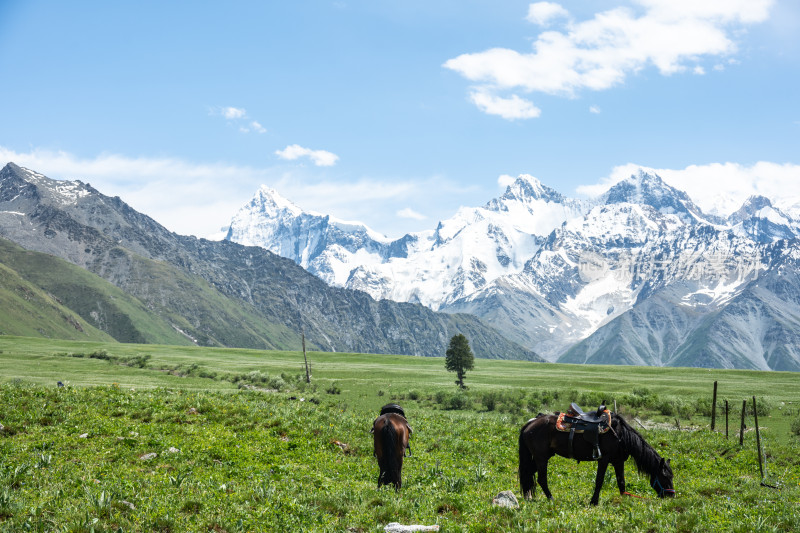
pixel 741 428
pixel 758 440
pixel 308 374
pixel 726 419
pixel 714 408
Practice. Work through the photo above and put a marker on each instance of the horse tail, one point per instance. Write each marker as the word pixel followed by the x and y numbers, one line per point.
pixel 390 465
pixel 527 465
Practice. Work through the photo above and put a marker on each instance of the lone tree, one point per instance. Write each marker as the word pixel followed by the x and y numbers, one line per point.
pixel 459 358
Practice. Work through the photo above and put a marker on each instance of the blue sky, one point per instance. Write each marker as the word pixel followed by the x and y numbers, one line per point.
pixel 397 113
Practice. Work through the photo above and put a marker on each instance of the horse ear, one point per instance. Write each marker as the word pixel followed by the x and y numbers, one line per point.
pixel 667 462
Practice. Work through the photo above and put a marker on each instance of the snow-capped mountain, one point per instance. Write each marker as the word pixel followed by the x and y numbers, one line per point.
pixel 640 276
pixel 462 255
pixel 139 282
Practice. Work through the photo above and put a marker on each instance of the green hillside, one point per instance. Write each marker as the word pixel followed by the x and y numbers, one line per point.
pixel 94 300
pixel 185 305
pixel 27 310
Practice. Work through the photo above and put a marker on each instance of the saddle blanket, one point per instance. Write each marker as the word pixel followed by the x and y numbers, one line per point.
pixel 564 422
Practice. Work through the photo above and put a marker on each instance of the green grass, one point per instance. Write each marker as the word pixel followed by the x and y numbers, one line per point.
pixel 76 458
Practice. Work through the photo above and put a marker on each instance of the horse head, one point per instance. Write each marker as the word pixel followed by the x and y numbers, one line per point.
pixel 661 481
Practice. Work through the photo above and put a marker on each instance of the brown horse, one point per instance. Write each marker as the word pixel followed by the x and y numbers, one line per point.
pixel 390 433
pixel 539 440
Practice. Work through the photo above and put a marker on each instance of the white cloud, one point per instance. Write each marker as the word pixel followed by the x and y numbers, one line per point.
pixel 372 201
pixel 200 199
pixel 594 109
pixel 721 188
pixel 543 13
pixel 410 213
pixel 600 53
pixel 187 198
pixel 699 70
pixel 232 113
pixel 238 116
pixel 508 108
pixel 321 158
pixel 504 180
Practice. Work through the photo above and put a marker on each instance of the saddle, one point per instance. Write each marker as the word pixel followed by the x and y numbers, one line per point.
pixel 392 408
pixel 591 424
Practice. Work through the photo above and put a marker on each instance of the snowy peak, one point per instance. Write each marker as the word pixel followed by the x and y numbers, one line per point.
pixel 751 207
pixel 759 220
pixel 646 188
pixel 269 203
pixel 526 188
pixel 61 191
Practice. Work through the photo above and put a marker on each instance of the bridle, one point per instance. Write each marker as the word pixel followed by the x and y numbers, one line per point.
pixel 659 488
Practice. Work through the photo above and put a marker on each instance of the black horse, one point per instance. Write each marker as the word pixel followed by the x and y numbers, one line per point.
pixel 539 440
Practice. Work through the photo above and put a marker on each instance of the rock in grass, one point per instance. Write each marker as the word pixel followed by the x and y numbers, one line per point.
pixel 395 527
pixel 506 499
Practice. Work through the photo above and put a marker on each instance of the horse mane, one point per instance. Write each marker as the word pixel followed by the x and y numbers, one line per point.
pixel 645 456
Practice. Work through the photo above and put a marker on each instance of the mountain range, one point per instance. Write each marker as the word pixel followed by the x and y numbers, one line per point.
pixel 640 275
pixel 75 263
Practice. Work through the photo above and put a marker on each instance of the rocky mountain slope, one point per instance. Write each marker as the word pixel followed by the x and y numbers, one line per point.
pixel 220 293
pixel 640 275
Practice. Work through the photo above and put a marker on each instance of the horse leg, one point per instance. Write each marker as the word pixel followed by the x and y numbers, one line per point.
pixel 619 470
pixel 381 472
pixel 602 465
pixel 541 476
pixel 398 482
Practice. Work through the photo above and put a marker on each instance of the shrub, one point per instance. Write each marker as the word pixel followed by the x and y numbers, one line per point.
pixel 139 361
pixel 489 400
pixel 642 397
pixel 100 354
pixel 277 383
pixel 591 400
pixel 547 397
pixel 453 401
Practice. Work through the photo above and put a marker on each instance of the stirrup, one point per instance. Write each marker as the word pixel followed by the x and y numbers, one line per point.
pixel 596 453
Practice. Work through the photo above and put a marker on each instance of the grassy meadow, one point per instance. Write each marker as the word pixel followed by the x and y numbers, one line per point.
pixel 174 438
